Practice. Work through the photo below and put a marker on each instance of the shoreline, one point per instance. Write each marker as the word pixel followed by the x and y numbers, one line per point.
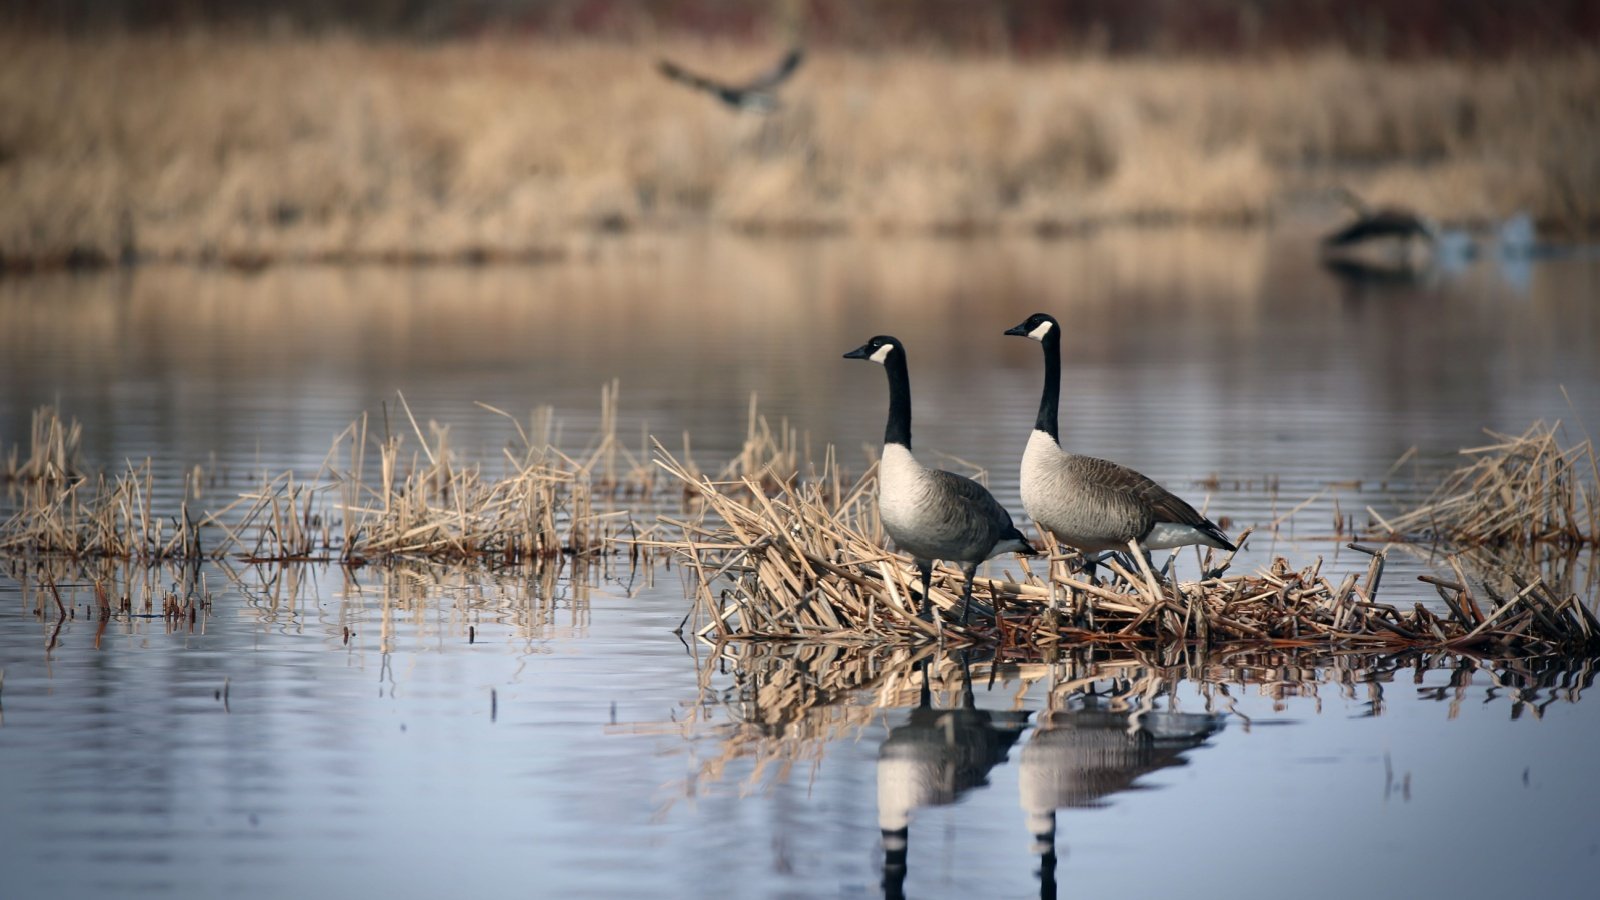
pixel 240 151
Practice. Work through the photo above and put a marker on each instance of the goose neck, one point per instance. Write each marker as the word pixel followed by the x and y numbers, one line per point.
pixel 898 429
pixel 1050 400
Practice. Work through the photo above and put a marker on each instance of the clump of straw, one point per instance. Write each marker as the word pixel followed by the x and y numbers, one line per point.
pixel 1521 492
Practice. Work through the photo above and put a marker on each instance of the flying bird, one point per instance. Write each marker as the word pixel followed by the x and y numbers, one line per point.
pixel 758 95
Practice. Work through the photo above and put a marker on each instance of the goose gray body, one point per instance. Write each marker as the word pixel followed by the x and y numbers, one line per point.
pixel 933 514
pixel 930 513
pixel 1095 504
pixel 1385 237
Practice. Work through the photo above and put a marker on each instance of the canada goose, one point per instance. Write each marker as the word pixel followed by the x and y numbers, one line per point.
pixel 1094 504
pixel 1404 237
pixel 758 95
pixel 932 514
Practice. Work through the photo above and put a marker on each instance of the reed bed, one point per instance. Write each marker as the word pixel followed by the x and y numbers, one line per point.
pixel 808 562
pixel 245 150
pixel 1520 494
pixel 372 500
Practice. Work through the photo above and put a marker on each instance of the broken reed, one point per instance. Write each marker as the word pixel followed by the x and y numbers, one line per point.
pixel 1520 494
pixel 372 499
pixel 808 562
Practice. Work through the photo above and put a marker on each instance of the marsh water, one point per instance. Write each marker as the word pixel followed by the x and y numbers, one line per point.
pixel 419 732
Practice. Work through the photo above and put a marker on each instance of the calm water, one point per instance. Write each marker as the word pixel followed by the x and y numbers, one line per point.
pixel 415 733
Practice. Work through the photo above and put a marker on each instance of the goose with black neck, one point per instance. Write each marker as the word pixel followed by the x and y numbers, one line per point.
pixel 930 513
pixel 1095 505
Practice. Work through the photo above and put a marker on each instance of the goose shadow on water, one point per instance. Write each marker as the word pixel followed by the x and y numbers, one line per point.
pixel 1079 754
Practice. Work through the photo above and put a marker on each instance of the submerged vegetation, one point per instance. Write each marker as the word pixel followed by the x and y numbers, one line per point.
pixel 245 150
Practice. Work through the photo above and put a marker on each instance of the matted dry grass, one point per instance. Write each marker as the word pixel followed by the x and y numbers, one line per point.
pixel 252 149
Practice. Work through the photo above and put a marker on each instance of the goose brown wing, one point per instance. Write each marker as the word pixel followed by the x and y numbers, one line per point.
pixel 1164 505
pixel 675 72
pixel 969 514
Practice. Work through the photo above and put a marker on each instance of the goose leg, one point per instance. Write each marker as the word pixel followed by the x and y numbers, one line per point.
pixel 1091 562
pixel 966 592
pixel 925 569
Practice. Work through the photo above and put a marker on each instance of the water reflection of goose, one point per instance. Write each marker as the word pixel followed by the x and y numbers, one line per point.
pixel 931 761
pixel 1096 505
pixel 759 94
pixel 1077 757
pixel 932 514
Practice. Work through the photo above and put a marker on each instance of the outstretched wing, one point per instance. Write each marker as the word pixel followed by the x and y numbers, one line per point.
pixel 778 74
pixel 675 72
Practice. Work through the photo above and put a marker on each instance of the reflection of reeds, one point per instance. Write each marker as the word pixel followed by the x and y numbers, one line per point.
pixel 772 706
pixel 214 147
pixel 808 563
pixel 104 590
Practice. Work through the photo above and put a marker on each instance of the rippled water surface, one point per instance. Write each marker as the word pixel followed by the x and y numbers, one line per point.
pixel 418 733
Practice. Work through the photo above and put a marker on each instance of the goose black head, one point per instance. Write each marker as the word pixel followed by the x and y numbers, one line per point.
pixel 1038 326
pixel 878 349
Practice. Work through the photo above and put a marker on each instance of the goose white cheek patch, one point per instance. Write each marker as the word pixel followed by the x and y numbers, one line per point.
pixel 1039 333
pixel 881 354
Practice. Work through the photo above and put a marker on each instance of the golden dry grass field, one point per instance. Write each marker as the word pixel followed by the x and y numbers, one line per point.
pixel 249 149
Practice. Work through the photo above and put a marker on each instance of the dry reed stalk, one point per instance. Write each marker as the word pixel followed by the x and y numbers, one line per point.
pixel 53 447
pixel 798 564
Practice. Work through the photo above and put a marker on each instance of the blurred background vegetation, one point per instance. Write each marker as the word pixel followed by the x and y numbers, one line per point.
pixel 410 130
pixel 1384 28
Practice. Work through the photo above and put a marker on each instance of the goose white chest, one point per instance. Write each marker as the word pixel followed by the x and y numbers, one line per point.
pixel 902 481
